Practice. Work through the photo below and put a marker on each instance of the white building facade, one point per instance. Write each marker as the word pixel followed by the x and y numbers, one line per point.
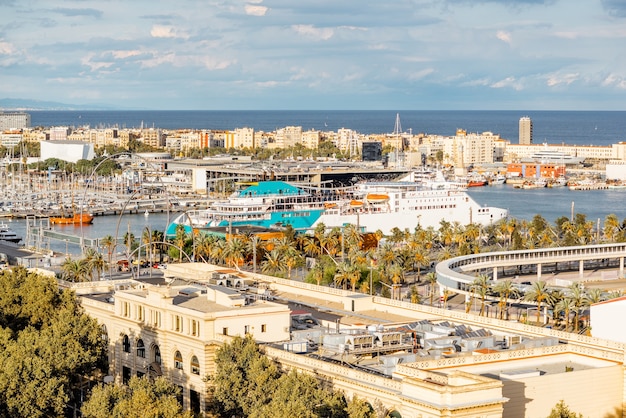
pixel 70 151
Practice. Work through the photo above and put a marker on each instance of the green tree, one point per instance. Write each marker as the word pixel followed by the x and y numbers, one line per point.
pixel 244 379
pixel 142 398
pixel 561 410
pixel 47 345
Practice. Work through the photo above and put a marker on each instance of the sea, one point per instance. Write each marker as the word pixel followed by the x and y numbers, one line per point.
pixel 599 128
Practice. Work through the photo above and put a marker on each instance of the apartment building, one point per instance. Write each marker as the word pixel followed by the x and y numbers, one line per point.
pixel 14 120
pixel 525 131
pixel 244 138
pixel 464 150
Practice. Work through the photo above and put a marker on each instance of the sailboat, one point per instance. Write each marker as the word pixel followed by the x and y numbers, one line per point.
pixel 76 218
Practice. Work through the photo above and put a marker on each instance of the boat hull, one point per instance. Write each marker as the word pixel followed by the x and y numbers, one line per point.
pixel 77 219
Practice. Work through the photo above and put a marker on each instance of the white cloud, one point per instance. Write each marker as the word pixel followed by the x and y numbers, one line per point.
pixel 125 54
pixel 504 36
pixel 421 74
pixel 567 79
pixel 94 66
pixel 613 80
pixel 253 10
pixel 311 31
pixel 507 82
pixel 6 48
pixel 161 31
pixel 211 63
pixel 158 59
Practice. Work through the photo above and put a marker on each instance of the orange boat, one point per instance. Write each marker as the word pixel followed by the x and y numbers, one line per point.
pixel 377 198
pixel 76 219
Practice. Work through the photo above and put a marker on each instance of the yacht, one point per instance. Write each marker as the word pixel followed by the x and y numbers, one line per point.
pixel 553 156
pixel 7 234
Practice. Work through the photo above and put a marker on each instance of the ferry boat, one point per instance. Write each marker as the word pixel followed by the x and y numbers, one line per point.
pixel 371 206
pixel 407 206
pixel 7 234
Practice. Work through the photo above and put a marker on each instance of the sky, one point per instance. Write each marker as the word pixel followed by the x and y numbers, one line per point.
pixel 316 54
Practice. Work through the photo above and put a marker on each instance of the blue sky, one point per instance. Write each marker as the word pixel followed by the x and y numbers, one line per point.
pixel 316 54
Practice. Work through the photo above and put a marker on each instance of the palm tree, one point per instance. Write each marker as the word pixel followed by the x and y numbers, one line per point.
pixel 254 247
pixel 273 263
pixel 330 242
pixel 96 262
pixel 506 290
pixel 204 242
pixel 317 272
pixel 109 243
pixel 157 243
pixel 481 287
pixel 556 295
pixel 292 258
pixel 353 237
pixel 234 252
pixel 431 279
pixel 342 277
pixel 579 299
pixel 217 251
pixel 74 270
pixel 396 274
pixel 611 228
pixel 538 293
pixel 415 296
pixel 566 306
pixel 180 239
pixel 311 246
pixel 595 295
pixel 146 241
pixel 129 241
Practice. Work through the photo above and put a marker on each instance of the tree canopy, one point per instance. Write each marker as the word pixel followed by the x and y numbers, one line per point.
pixel 47 345
pixel 142 397
pixel 249 384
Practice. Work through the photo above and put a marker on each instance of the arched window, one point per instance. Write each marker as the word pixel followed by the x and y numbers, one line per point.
pixel 156 354
pixel 141 349
pixel 178 360
pixel 104 333
pixel 126 344
pixel 195 365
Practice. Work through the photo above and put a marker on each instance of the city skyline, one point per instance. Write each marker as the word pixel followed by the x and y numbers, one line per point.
pixel 272 54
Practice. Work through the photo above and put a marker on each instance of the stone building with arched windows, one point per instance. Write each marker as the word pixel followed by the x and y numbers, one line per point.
pixel 173 331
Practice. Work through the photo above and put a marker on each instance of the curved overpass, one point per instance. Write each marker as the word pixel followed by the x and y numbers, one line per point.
pixel 458 273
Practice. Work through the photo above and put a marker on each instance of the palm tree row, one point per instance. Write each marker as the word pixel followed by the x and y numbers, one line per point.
pixel 571 301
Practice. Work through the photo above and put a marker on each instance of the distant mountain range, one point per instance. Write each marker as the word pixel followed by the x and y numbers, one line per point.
pixel 26 104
